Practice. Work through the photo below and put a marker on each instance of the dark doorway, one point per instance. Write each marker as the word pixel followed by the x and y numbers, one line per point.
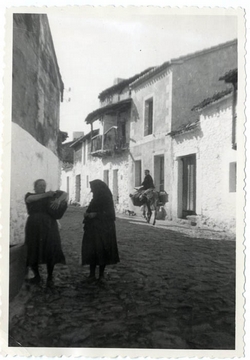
pixel 189 186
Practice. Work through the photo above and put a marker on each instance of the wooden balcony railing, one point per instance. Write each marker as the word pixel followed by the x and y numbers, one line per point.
pixel 111 144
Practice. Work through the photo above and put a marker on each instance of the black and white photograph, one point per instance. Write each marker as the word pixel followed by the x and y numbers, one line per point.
pixel 124 198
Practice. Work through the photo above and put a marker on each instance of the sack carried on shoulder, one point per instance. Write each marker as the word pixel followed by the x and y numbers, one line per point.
pixel 57 213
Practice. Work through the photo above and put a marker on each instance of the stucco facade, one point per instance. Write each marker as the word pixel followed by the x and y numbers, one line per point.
pixel 112 170
pixel 211 144
pixel 109 153
pixel 163 100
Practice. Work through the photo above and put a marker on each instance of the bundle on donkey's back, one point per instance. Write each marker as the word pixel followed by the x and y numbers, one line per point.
pixel 151 201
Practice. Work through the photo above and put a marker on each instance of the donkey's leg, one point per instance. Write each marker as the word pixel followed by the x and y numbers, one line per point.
pixel 154 216
pixel 149 213
pixel 154 212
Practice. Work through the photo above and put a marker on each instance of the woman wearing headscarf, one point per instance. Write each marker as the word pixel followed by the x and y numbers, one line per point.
pixel 42 236
pixel 99 245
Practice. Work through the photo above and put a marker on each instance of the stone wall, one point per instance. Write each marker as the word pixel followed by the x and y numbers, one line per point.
pixel 37 85
pixel 29 161
pixel 36 94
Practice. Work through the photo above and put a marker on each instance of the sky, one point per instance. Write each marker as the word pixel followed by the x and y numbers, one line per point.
pixel 94 47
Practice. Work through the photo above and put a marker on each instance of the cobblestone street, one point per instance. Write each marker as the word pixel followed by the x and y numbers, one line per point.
pixel 173 289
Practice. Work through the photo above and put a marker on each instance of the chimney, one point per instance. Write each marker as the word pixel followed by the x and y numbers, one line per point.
pixel 118 80
pixel 77 134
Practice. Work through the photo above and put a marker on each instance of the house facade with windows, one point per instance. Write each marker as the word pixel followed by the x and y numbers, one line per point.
pixel 163 99
pixel 107 144
pixel 82 167
pixel 205 161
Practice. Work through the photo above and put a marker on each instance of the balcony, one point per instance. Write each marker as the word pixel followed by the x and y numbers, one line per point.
pixel 111 144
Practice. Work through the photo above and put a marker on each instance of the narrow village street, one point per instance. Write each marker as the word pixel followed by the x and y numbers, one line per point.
pixel 169 291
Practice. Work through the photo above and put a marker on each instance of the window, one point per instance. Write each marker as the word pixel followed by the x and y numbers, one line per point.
pixel 84 153
pixel 78 188
pixel 78 154
pixel 138 173
pixel 88 151
pixel 232 176
pixel 106 177
pixel 123 130
pixel 148 117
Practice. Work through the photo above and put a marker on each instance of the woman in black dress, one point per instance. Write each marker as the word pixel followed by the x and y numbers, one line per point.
pixel 99 245
pixel 42 236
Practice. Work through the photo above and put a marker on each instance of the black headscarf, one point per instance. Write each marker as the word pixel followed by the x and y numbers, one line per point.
pixel 102 201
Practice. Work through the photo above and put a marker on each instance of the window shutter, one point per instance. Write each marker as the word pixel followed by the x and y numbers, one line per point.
pixel 232 176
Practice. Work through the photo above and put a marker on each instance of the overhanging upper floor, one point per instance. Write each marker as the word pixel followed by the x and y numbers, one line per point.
pixel 109 110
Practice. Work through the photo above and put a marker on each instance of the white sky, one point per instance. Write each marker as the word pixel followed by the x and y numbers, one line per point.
pixel 94 48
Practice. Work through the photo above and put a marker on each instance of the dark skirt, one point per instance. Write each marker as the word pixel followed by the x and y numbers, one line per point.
pixel 43 240
pixel 99 245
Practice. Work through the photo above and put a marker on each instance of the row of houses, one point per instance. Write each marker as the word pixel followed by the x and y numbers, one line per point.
pixel 179 121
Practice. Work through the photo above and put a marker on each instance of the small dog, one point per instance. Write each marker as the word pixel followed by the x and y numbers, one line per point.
pixel 130 213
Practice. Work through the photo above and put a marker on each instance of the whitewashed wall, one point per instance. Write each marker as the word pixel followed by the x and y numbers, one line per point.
pixel 94 169
pixel 216 154
pixel 29 161
pixel 212 144
pixel 63 186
